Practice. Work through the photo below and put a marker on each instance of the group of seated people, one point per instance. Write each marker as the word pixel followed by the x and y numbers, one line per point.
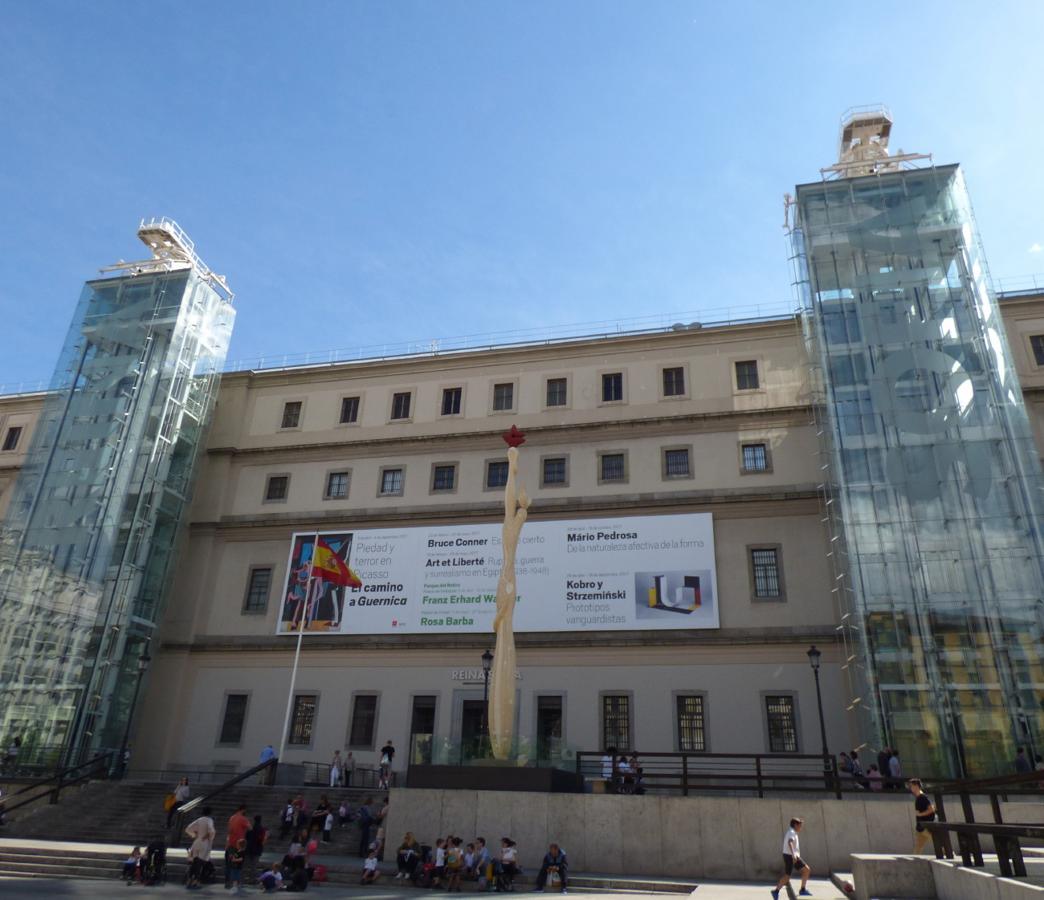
pixel 450 861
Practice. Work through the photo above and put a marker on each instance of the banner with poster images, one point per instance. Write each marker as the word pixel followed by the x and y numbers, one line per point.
pixel 643 573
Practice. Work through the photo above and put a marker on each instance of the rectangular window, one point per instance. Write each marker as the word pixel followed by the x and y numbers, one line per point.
pixel 291 414
pixel 555 470
pixel 765 566
pixel 612 467
pixel 782 727
pixel 258 587
pixel 1036 342
pixel 556 391
pixel 747 375
pixel 277 487
pixel 691 736
pixel 12 437
pixel 303 719
pixel 616 721
pixel 496 473
pixel 755 458
pixel 391 481
pixel 444 478
pixel 337 485
pixel 674 382
pixel 503 397
pixel 235 716
pixel 364 720
pixel 676 463
pixel 401 405
pixel 349 410
pixel 451 401
pixel 612 387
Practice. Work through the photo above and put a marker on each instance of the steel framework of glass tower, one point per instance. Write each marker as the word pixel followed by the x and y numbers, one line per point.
pixel 91 533
pixel 933 480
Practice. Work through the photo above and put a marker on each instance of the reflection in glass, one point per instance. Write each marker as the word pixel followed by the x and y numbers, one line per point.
pixel 92 529
pixel 934 476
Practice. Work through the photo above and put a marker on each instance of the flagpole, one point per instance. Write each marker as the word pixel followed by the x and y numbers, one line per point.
pixel 297 652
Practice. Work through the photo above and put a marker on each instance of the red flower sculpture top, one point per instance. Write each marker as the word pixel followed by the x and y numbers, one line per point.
pixel 514 437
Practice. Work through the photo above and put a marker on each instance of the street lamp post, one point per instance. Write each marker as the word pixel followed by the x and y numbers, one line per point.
pixel 487 663
pixel 814 657
pixel 143 665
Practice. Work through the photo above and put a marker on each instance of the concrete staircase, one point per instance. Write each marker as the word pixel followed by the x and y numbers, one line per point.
pixel 132 813
pixel 92 830
pixel 44 859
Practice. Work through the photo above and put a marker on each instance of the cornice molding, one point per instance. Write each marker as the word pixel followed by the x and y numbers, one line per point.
pixel 798 415
pixel 737 637
pixel 723 504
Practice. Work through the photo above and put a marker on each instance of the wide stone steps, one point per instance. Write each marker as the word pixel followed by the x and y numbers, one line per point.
pixel 133 813
pixel 104 864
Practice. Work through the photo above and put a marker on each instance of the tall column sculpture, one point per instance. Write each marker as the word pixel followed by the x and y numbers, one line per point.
pixel 501 710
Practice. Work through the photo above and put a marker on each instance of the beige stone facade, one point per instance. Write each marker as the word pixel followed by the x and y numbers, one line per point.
pixel 311 448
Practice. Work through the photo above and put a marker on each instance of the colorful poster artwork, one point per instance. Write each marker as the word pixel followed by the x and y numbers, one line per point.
pixel 627 573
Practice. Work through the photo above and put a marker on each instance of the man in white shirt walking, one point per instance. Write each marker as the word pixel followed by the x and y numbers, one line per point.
pixel 792 862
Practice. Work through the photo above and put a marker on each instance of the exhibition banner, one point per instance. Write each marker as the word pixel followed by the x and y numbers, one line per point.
pixel 628 573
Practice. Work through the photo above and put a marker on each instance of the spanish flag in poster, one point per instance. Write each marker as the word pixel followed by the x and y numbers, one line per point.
pixel 328 566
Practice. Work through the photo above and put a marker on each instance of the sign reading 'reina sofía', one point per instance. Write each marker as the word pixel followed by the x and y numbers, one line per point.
pixel 628 573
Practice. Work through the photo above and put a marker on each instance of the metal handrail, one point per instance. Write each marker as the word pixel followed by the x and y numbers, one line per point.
pixel 1022 784
pixel 61 779
pixel 318 774
pixel 695 771
pixel 190 805
pixel 1005 841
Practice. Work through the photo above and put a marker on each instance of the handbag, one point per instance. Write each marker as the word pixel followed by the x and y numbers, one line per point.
pixel 168 802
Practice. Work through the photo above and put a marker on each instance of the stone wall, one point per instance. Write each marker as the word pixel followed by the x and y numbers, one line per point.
pixel 708 837
pixel 700 836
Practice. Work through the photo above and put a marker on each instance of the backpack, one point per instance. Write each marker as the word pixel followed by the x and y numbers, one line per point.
pixel 365 816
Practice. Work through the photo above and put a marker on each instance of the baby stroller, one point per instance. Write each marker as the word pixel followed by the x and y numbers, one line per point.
pixel 505 880
pixel 424 872
pixel 154 863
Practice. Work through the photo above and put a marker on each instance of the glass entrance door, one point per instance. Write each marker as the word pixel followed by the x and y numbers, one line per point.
pixel 422 729
pixel 549 728
pixel 472 717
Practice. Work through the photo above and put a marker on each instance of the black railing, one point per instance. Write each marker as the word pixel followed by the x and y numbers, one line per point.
pixel 1024 784
pixel 1005 841
pixel 269 769
pixel 969 833
pixel 97 767
pixel 317 774
pixel 687 773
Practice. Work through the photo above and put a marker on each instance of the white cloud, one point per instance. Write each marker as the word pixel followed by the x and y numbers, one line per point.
pixel 1036 248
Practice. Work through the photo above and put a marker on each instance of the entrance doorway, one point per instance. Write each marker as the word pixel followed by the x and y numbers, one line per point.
pixel 549 728
pixel 422 729
pixel 472 718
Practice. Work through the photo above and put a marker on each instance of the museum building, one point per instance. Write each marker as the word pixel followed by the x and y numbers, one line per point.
pixel 709 500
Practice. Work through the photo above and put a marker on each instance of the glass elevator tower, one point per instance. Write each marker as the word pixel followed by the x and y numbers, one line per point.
pixel 90 536
pixel 932 480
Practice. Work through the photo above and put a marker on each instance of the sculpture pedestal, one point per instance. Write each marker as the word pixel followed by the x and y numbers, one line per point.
pixel 495 775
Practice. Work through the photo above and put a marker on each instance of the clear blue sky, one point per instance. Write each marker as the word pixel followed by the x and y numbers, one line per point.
pixel 388 171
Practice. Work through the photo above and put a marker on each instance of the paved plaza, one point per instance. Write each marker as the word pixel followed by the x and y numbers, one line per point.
pixel 35 888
